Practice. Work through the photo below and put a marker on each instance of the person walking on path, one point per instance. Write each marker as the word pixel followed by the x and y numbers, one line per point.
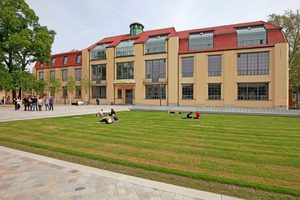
pixel 97 100
pixel 40 102
pixel 47 104
pixel 34 103
pixel 51 103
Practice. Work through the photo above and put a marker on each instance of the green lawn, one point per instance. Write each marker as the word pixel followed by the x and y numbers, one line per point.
pixel 252 151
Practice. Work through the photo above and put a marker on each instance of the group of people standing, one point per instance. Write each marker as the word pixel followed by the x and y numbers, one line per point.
pixel 33 103
pixel 106 117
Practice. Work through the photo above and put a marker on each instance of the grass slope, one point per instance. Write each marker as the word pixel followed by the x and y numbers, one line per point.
pixel 252 151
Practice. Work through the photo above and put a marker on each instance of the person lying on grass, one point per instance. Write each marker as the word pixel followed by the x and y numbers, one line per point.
pixel 106 119
pixel 115 119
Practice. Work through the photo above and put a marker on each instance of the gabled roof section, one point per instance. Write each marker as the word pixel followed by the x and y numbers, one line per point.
pixel 227 29
pixel 72 56
pixel 140 38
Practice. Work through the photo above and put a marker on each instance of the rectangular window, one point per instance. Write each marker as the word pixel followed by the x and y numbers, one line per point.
pixel 65 60
pixel 187 91
pixel 253 91
pixel 200 41
pixel 64 75
pixel 214 91
pixel 214 65
pixel 52 74
pixel 99 52
pixel 99 92
pixel 187 67
pixel 41 75
pixel 249 36
pixel 78 92
pixel 99 72
pixel 78 74
pixel 253 63
pixel 155 91
pixel 64 92
pixel 156 69
pixel 119 93
pixel 156 44
pixel 52 62
pixel 125 48
pixel 125 70
pixel 41 64
pixel 78 58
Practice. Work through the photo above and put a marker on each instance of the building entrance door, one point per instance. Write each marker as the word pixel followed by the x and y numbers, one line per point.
pixel 128 96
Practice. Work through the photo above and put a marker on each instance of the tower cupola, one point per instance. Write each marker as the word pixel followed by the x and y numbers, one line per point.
pixel 136 28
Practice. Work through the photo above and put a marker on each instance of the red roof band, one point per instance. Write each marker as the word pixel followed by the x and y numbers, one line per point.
pixel 225 38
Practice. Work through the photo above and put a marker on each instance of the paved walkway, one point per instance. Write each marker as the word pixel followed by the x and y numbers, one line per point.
pixel 29 176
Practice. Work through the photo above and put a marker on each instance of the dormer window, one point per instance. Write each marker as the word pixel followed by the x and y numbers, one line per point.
pixel 156 44
pixel 41 64
pixel 99 52
pixel 201 41
pixel 78 58
pixel 65 60
pixel 52 61
pixel 252 35
pixel 125 48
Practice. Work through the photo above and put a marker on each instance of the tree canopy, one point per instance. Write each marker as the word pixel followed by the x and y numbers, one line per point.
pixel 22 39
pixel 290 23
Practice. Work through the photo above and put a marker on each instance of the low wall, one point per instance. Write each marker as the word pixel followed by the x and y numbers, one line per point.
pixel 219 110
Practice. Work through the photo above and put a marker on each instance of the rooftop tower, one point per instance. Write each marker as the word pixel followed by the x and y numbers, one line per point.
pixel 136 28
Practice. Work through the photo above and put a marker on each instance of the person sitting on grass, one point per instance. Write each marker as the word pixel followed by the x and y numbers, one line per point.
pixel 189 115
pixel 106 119
pixel 101 113
pixel 115 118
pixel 112 112
pixel 198 116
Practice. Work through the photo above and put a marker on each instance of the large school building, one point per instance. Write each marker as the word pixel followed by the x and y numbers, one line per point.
pixel 239 65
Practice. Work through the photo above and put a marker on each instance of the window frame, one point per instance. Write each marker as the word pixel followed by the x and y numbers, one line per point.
pixel 185 89
pixel 51 75
pixel 123 50
pixel 160 89
pixel 245 34
pixel 214 93
pixel 41 76
pixel 52 62
pixel 62 75
pixel 251 67
pixel 186 70
pixel 249 97
pixel 125 75
pixel 156 44
pixel 98 89
pixel 78 58
pixel 201 40
pixel 159 73
pixel 65 60
pixel 212 64
pixel 76 74
pixel 100 51
pixel 119 93
pixel 97 68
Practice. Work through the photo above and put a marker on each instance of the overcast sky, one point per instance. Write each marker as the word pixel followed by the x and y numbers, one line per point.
pixel 81 23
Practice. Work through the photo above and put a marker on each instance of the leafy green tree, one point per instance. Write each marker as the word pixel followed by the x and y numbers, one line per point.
pixel 22 79
pixel 22 39
pixel 55 86
pixel 290 23
pixel 39 87
pixel 85 85
pixel 71 84
pixel 6 81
